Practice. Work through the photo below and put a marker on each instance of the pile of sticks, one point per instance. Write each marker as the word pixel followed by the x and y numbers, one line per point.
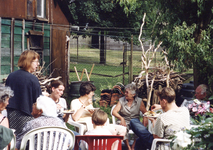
pixel 160 78
pixel 44 80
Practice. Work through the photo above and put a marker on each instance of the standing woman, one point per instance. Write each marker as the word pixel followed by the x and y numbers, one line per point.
pixel 26 89
pixel 57 90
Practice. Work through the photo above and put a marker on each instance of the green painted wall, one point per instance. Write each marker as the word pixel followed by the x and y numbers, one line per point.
pixel 6 42
pixel 5 47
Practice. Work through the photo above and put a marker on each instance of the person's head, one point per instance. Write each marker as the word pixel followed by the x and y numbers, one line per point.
pixel 44 106
pixel 5 94
pixel 130 91
pixel 57 89
pixel 87 88
pixel 99 117
pixel 29 60
pixel 166 96
pixel 201 91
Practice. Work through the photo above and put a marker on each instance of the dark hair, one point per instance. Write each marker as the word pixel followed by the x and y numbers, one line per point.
pixel 26 58
pixel 56 83
pixel 167 93
pixel 99 117
pixel 86 88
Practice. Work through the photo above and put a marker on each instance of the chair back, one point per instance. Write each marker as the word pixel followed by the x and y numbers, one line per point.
pixel 113 117
pixel 53 138
pixel 76 125
pixel 99 142
pixel 12 145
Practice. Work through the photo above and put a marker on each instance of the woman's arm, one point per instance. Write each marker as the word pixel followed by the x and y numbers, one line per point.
pixel 117 115
pixel 5 122
pixel 76 116
pixel 79 108
pixel 66 117
pixel 143 110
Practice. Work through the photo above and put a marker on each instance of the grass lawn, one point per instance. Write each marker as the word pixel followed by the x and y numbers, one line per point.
pixel 105 76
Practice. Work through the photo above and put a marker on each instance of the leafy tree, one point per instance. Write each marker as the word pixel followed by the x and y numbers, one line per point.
pixel 107 17
pixel 185 27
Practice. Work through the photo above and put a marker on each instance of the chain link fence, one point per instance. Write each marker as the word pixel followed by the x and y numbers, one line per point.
pixel 85 57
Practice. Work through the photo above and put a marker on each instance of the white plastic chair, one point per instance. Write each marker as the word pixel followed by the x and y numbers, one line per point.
pixel 155 141
pixel 78 125
pixel 51 137
pixel 12 143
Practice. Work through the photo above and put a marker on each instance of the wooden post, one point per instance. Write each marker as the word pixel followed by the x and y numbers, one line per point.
pixel 0 46
pixel 130 62
pixel 12 45
pixel 77 48
pixel 123 65
pixel 22 41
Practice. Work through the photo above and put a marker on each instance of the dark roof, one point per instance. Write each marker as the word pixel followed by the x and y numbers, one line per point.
pixel 63 4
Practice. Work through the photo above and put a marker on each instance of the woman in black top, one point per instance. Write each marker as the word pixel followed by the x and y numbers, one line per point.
pixel 26 89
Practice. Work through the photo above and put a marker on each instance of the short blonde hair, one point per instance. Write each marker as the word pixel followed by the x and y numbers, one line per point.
pixel 26 59
pixel 99 117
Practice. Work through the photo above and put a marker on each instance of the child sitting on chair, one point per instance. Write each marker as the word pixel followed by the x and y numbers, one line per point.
pixel 99 119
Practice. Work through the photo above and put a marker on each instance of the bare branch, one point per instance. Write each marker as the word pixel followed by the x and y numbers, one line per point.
pixel 139 37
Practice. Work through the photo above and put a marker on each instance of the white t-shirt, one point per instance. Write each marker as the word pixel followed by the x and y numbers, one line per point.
pixel 76 105
pixel 63 104
pixel 86 117
pixel 99 130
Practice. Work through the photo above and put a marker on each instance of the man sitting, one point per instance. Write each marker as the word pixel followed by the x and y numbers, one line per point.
pixel 173 119
pixel 45 114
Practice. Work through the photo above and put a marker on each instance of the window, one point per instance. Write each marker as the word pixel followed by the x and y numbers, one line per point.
pixel 41 8
pixel 36 43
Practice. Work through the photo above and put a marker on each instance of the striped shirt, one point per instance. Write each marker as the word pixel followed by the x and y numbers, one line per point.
pixel 171 121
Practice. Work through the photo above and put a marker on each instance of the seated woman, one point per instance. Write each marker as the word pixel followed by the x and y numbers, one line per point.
pixel 84 109
pixel 5 94
pixel 57 90
pixel 127 108
pixel 45 114
pixel 83 105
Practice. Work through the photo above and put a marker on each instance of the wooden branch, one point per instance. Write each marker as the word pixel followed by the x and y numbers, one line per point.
pixel 153 54
pixel 91 70
pixel 150 93
pixel 48 80
pixel 77 73
pixel 139 37
pixel 167 79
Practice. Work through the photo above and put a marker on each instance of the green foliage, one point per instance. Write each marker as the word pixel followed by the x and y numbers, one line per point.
pixel 203 134
pixel 105 109
pixel 185 27
pixel 108 15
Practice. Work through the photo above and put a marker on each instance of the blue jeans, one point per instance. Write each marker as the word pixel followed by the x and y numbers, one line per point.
pixel 76 133
pixel 145 138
